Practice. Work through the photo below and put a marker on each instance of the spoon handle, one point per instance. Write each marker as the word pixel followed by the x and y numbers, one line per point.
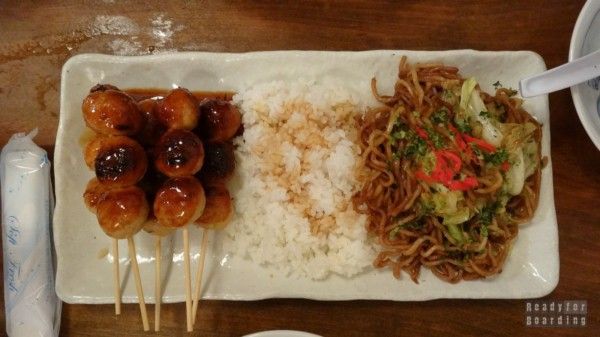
pixel 563 76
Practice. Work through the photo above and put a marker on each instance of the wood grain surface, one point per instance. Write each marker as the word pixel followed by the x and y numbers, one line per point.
pixel 38 37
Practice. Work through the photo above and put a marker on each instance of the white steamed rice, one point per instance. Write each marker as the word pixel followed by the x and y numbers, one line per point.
pixel 295 176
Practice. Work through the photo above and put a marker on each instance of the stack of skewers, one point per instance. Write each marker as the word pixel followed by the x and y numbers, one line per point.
pixel 161 164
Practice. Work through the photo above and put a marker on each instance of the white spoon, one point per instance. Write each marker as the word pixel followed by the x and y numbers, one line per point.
pixel 564 76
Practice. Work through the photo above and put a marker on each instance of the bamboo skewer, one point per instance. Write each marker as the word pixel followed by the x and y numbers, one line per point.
pixel 187 280
pixel 138 282
pixel 157 284
pixel 115 247
pixel 199 272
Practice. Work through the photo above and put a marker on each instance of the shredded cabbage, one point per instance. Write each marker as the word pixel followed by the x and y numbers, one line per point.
pixel 458 217
pixel 467 88
pixel 517 134
pixel 456 233
pixel 515 177
pixel 522 151
pixel 448 204
pixel 470 108
pixel 530 156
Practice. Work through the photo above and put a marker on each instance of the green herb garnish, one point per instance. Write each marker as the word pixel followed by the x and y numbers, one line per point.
pixel 436 138
pixel 487 213
pixel 484 230
pixel 399 123
pixel 415 146
pixel 415 224
pixel 440 116
pixel 447 94
pixel 425 209
pixel 397 135
pixel 497 85
pixel 463 126
pixel 399 131
pixel 496 158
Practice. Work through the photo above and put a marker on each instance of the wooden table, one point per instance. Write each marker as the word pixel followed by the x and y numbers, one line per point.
pixel 38 38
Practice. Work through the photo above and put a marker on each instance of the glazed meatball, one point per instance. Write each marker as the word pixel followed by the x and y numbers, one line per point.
pixel 122 212
pixel 219 120
pixel 219 163
pixel 179 202
pixel 178 110
pixel 94 191
pixel 121 161
pixel 112 112
pixel 150 133
pixel 179 153
pixel 218 209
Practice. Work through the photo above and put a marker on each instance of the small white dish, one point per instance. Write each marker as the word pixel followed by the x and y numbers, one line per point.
pixel 282 333
pixel 586 96
pixel 84 272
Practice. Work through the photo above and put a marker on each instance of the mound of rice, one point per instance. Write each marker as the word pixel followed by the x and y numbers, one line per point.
pixel 295 179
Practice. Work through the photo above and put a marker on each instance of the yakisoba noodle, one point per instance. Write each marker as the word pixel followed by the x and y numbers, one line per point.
pixel 448 173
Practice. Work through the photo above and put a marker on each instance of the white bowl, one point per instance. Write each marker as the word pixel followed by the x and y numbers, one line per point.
pixel 586 96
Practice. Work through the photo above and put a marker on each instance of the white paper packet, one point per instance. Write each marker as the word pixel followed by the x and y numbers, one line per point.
pixel 32 308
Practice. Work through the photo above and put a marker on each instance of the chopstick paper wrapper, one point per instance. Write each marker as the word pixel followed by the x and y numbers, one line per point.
pixel 32 308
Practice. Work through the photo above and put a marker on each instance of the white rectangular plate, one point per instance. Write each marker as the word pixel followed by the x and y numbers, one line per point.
pixel 85 271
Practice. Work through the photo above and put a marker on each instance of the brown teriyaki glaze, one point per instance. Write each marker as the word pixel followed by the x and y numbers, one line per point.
pixel 219 163
pixel 179 153
pixel 120 161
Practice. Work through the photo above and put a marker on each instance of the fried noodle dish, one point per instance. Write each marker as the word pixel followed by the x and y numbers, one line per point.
pixel 448 173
